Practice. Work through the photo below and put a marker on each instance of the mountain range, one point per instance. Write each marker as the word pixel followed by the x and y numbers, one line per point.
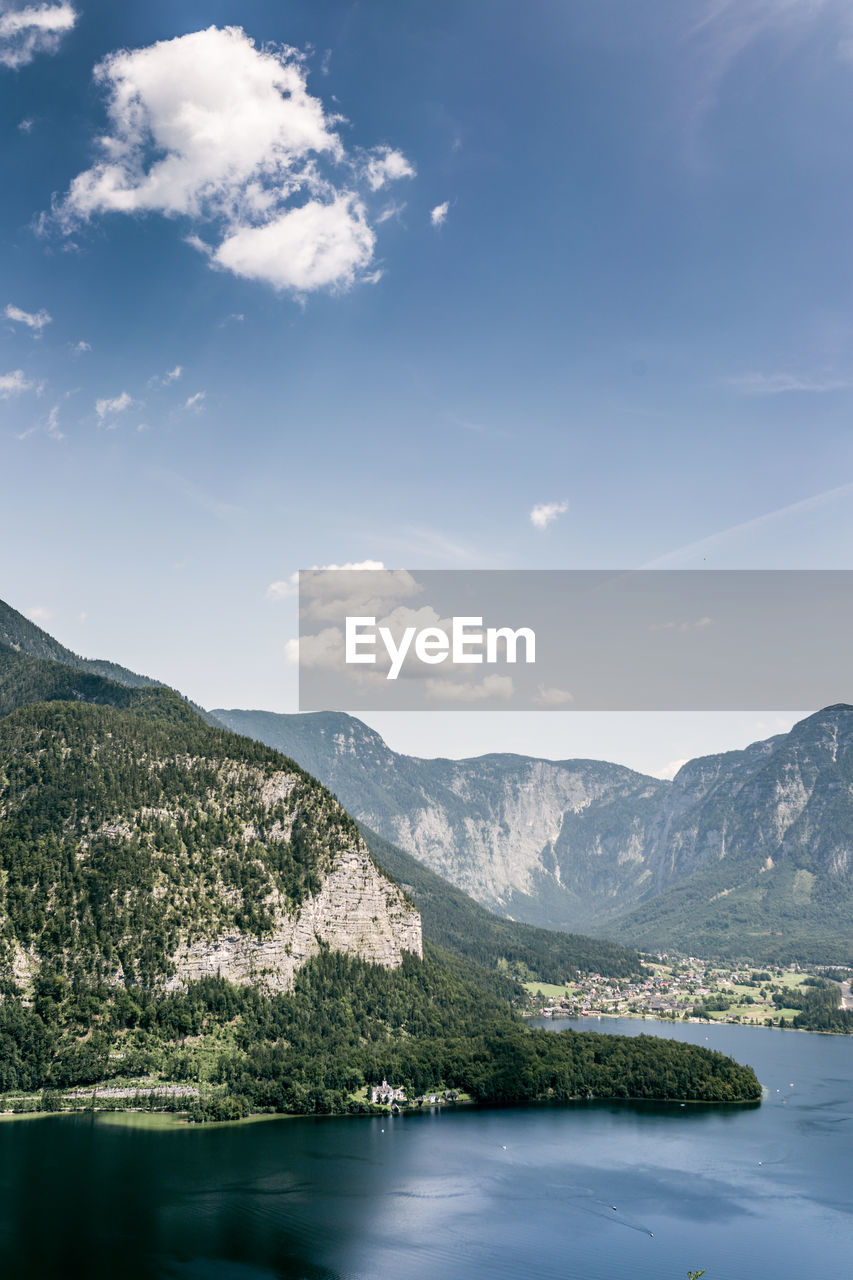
pixel 200 855
pixel 742 854
pixel 188 914
pixel 745 853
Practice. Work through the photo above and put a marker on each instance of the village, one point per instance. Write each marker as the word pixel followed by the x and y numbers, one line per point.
pixel 684 988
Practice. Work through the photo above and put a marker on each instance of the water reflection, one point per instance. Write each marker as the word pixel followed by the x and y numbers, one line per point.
pixel 473 1195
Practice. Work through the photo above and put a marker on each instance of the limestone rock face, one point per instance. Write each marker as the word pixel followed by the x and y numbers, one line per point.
pixel 764 836
pixel 357 911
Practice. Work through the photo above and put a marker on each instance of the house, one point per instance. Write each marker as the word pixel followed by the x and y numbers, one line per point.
pixel 386 1093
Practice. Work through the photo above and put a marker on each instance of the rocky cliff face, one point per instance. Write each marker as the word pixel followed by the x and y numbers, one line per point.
pixel 357 911
pixel 755 845
pixel 148 852
pixel 552 842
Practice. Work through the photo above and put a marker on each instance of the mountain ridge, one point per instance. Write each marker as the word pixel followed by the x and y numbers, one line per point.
pixel 743 853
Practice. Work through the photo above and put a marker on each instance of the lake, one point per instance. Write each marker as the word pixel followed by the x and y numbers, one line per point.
pixel 749 1193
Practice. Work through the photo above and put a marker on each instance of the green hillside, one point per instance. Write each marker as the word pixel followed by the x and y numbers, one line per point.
pixel 453 920
pixel 121 833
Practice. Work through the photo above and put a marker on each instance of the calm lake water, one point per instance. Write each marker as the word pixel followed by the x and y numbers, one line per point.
pixel 526 1192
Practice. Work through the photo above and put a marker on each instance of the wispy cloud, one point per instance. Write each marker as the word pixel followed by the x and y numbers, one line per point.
pixel 195 403
pixel 34 29
pixel 111 407
pixel 195 496
pixel 544 513
pixel 49 426
pixel 438 215
pixel 35 320
pixel 386 165
pixel 714 541
pixel 468 691
pixel 725 30
pixel 552 697
pixel 394 209
pixel 39 613
pixel 80 348
pixel 262 166
pixel 12 384
pixel 774 384
pixel 414 542
pixel 166 379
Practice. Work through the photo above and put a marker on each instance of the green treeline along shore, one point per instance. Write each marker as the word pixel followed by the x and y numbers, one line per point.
pixel 130 828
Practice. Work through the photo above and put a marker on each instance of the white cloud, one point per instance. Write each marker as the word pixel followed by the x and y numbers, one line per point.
pixel 195 402
pixel 386 165
pixel 35 320
pixel 329 593
pixel 80 347
pixel 284 589
pixel 35 29
pixel 319 245
pixel 544 512
pixel 26 125
pixel 438 215
pixel 323 650
pixel 356 565
pixel 668 772
pixel 12 384
pixel 289 587
pixel 209 127
pixel 107 408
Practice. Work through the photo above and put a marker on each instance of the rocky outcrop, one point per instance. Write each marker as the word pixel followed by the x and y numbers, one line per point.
pixel 357 912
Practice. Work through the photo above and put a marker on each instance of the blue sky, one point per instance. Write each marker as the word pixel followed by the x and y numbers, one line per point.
pixel 592 259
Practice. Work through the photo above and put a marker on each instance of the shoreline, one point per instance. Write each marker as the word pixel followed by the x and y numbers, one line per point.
pixel 163 1120
pixel 691 1022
